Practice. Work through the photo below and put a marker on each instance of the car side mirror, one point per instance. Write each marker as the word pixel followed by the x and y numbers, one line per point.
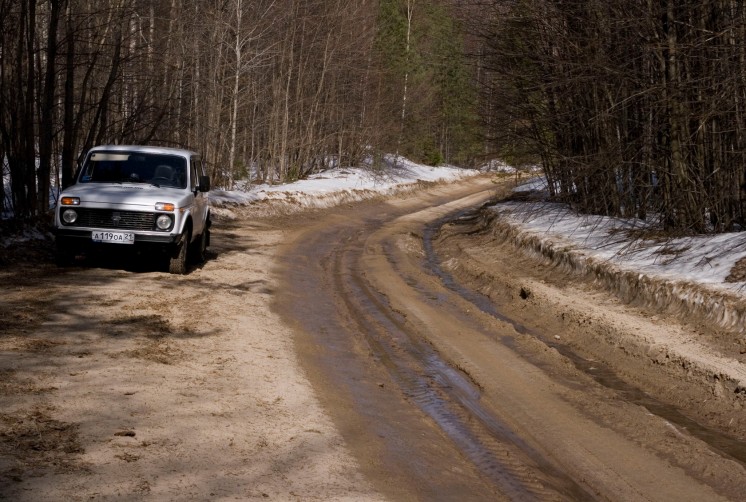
pixel 204 184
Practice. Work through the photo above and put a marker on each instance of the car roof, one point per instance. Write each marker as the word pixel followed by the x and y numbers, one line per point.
pixel 158 150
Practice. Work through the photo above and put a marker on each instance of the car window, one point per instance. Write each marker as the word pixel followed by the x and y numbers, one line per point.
pixel 194 178
pixel 135 167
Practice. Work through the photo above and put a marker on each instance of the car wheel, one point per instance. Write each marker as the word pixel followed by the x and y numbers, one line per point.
pixel 200 248
pixel 177 264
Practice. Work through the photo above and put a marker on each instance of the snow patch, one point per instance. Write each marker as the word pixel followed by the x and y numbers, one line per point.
pixel 340 185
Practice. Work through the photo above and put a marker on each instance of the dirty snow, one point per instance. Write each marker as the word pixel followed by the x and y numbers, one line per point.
pixel 702 259
pixel 705 259
pixel 332 185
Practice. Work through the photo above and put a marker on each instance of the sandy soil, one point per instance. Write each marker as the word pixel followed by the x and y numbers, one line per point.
pixel 136 384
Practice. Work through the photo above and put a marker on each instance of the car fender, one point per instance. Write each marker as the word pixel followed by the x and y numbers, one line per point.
pixel 185 218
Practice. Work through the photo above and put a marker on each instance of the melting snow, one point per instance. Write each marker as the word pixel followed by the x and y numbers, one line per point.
pixel 705 259
pixel 335 183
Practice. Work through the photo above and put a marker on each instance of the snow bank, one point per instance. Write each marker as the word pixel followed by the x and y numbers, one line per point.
pixel 339 186
pixel 683 276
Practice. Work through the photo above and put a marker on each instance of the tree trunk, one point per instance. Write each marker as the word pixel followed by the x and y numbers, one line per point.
pixel 407 58
pixel 234 95
pixel 68 121
pixel 46 132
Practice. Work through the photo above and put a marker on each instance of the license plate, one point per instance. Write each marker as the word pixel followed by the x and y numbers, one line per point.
pixel 114 237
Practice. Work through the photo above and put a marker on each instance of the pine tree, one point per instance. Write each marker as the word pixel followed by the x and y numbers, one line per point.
pixel 428 80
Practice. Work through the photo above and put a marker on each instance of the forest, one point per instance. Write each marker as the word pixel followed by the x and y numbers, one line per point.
pixel 637 108
pixel 633 108
pixel 275 88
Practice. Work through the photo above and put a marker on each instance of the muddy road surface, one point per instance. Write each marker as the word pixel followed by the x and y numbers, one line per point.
pixel 445 393
pixel 386 350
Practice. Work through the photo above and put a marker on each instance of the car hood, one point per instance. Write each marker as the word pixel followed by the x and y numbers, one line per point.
pixel 127 194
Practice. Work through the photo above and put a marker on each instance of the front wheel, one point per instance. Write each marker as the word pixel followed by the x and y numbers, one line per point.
pixel 177 263
pixel 200 247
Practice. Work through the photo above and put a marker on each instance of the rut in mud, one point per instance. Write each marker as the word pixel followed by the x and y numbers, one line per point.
pixel 451 394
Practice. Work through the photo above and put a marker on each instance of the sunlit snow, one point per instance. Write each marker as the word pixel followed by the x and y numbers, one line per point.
pixel 705 259
pixel 341 185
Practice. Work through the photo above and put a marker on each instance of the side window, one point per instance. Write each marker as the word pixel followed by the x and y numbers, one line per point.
pixel 195 170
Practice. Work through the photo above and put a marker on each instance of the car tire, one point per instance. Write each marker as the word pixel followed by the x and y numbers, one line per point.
pixel 200 247
pixel 177 263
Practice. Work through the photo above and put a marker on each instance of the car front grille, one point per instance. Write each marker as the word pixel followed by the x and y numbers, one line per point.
pixel 106 218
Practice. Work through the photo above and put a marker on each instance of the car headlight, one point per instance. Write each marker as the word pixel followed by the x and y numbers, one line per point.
pixel 69 216
pixel 163 222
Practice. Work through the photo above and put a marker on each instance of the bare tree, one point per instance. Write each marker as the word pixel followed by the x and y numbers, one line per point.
pixel 634 107
pixel 279 88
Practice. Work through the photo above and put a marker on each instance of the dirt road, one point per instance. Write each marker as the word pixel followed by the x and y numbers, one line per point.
pixel 344 355
pixel 525 395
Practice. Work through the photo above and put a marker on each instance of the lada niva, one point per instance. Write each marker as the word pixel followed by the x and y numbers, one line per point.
pixel 136 197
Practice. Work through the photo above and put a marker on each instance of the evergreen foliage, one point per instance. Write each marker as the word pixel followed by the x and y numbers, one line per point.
pixel 439 122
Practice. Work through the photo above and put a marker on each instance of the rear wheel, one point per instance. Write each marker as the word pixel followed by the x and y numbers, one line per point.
pixel 177 263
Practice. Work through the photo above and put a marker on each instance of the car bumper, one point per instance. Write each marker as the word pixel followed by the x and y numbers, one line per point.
pixel 83 237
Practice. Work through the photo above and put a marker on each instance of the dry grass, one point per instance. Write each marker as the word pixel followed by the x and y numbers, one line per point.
pixel 12 385
pixel 150 326
pixel 159 351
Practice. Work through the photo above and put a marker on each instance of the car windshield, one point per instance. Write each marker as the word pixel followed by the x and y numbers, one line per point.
pixel 135 167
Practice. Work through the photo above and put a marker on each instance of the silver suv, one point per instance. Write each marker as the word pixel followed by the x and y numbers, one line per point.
pixel 136 197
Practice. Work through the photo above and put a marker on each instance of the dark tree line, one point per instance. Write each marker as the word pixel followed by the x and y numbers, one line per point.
pixel 277 88
pixel 634 107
